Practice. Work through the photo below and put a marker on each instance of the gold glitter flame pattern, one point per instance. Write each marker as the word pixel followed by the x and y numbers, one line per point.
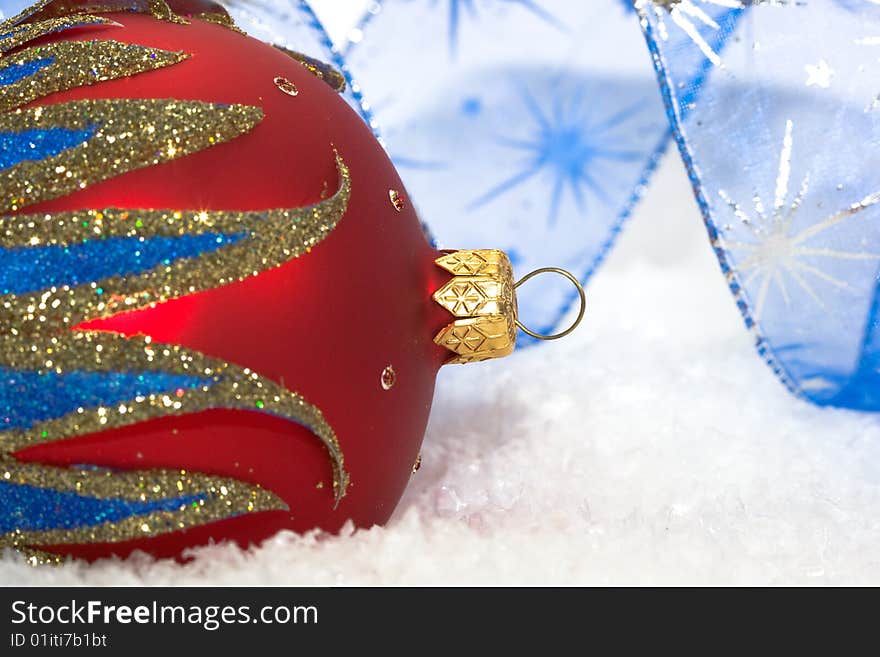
pixel 46 9
pixel 96 62
pixel 27 33
pixel 36 329
pixel 34 341
pixel 131 134
pixel 158 9
pixel 215 498
pixel 25 14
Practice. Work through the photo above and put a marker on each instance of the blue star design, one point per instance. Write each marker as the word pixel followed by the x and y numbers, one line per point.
pixel 458 7
pixel 570 145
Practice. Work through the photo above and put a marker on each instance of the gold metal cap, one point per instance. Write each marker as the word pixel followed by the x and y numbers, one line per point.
pixel 482 297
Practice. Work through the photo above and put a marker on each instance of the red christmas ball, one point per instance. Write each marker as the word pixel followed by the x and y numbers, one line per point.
pixel 340 316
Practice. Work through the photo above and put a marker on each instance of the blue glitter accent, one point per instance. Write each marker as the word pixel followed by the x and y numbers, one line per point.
pixel 17 147
pixel 8 35
pixel 30 269
pixel 18 72
pixel 27 398
pixel 28 508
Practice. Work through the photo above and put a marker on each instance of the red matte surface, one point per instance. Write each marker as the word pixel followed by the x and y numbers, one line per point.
pixel 324 325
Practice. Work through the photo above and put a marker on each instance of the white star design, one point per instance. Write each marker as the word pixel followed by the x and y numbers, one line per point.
pixel 688 16
pixel 819 75
pixel 778 253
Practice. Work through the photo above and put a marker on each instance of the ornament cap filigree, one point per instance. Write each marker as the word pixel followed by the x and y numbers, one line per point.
pixel 481 295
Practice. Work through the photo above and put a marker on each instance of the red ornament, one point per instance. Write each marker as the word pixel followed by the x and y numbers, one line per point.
pixel 354 313
pixel 326 325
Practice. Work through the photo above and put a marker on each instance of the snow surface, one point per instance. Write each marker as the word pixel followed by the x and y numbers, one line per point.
pixel 654 446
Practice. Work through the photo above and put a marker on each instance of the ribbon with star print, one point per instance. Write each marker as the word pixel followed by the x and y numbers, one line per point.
pixel 782 150
pixel 537 122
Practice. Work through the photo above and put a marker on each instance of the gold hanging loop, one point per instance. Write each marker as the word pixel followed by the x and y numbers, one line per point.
pixel 578 287
pixel 481 297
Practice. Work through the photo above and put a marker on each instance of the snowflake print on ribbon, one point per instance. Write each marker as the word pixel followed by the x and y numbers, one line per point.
pixel 569 144
pixel 776 252
pixel 542 130
pixel 782 149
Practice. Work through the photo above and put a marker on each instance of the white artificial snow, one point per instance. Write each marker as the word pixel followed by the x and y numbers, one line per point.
pixel 653 446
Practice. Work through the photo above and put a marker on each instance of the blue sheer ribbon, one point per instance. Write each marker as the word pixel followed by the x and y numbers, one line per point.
pixel 782 149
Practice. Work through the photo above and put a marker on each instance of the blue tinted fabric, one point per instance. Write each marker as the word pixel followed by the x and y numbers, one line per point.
pixel 782 147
